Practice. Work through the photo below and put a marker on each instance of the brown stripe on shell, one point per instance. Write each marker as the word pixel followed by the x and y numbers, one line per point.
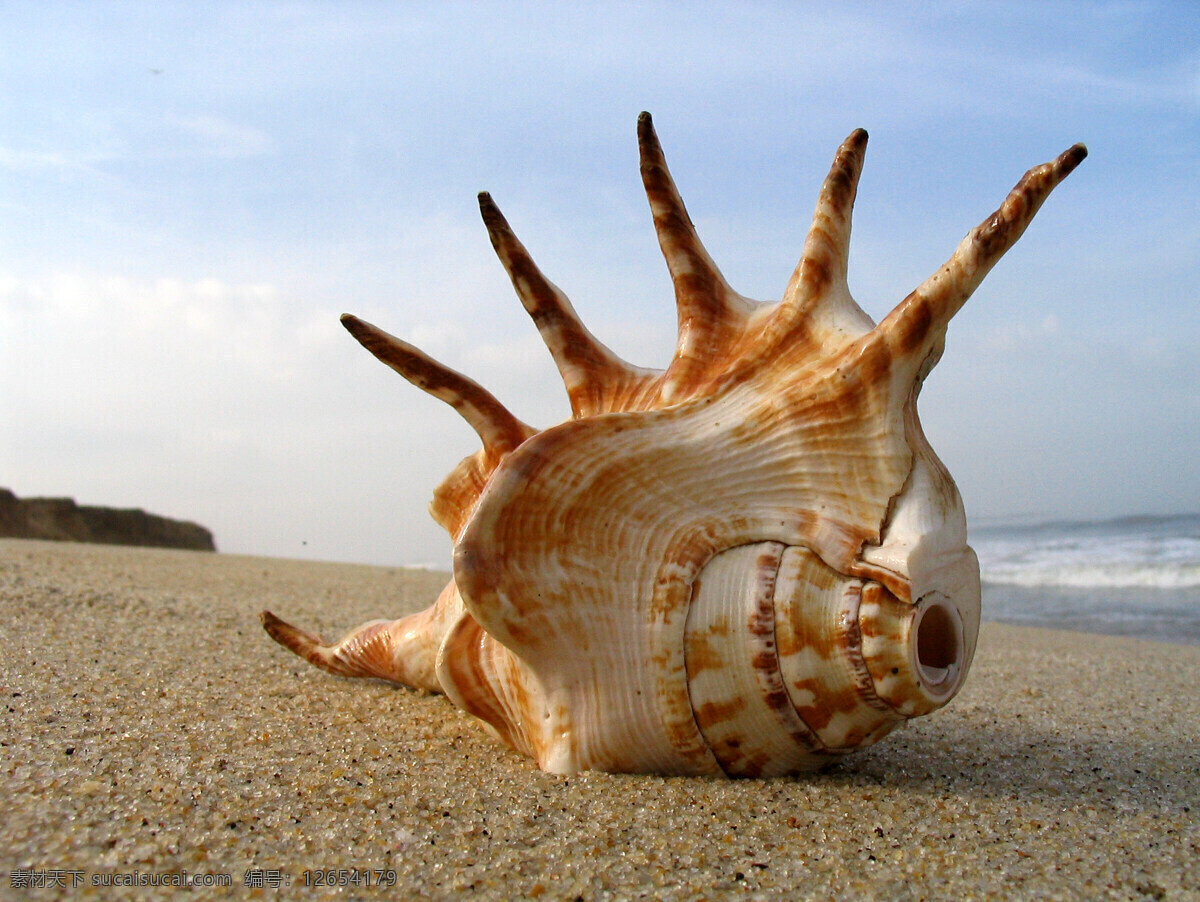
pixel 455 497
pixel 743 709
pixel 480 677
pixel 915 326
pixel 596 379
pixel 823 262
pixel 400 651
pixel 499 429
pixel 816 611
pixel 711 315
pixel 893 656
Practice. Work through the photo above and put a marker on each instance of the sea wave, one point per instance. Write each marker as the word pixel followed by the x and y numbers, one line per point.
pixel 1133 553
pixel 1099 575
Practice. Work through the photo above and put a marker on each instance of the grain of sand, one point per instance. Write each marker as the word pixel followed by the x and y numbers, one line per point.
pixel 151 729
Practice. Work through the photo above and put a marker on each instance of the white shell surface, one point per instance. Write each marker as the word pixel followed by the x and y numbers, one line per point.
pixel 749 563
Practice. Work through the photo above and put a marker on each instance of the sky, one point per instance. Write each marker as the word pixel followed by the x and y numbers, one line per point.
pixel 191 194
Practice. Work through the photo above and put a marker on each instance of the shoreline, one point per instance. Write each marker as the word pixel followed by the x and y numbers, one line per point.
pixel 154 728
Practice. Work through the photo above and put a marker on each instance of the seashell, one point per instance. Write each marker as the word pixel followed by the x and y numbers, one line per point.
pixel 750 563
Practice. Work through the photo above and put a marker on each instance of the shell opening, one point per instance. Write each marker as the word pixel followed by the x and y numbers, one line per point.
pixel 939 647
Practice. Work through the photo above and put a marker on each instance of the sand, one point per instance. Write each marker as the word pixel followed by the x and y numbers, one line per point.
pixel 152 732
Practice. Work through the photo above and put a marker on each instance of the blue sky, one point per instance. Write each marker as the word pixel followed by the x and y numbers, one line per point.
pixel 192 194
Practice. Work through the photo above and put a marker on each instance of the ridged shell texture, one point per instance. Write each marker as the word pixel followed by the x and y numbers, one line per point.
pixel 749 563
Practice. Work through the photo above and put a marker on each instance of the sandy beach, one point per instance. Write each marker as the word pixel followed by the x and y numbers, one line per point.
pixel 153 733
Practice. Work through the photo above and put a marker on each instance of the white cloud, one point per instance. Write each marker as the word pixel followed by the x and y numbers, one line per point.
pixel 1021 336
pixel 32 160
pixel 223 138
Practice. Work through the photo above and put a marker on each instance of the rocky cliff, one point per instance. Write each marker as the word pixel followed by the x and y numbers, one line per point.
pixel 64 520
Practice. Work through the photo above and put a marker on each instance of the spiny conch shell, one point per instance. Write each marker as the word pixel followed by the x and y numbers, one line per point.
pixel 748 564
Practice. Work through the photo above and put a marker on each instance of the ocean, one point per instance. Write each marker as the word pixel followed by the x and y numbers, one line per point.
pixel 1133 576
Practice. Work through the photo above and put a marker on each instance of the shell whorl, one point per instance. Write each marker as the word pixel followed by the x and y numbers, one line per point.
pixel 749 562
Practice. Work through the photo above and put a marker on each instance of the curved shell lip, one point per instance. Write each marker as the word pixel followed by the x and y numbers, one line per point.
pixel 938 648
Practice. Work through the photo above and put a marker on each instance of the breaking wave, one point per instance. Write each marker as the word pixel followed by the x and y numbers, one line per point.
pixel 1141 553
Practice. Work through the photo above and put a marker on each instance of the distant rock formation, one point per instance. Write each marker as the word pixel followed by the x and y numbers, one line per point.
pixel 64 520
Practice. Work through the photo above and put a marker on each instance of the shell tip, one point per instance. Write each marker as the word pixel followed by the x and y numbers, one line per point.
pixel 645 129
pixel 1071 158
pixel 360 329
pixel 291 638
pixel 488 209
